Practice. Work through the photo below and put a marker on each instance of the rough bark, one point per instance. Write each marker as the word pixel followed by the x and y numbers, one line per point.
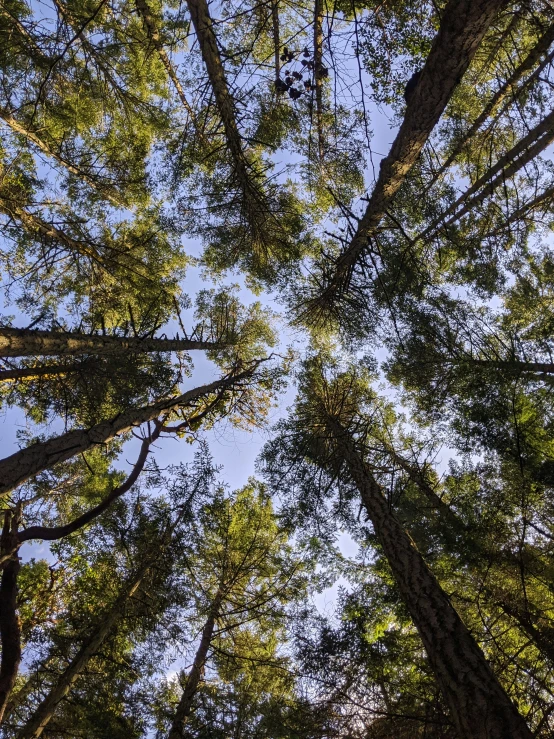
pixel 194 677
pixel 28 462
pixel 463 25
pixel 41 717
pixel 478 704
pixel 10 628
pixel 540 48
pixel 21 342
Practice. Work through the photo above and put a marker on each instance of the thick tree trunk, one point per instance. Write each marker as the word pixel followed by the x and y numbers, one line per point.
pixel 276 40
pixel 41 717
pixel 463 25
pixel 194 677
pixel 10 628
pixel 540 48
pixel 28 462
pixel 21 342
pixel 479 706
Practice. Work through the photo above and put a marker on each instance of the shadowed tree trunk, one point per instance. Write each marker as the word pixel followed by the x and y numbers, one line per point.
pixel 10 628
pixel 463 25
pixel 479 706
pixel 195 675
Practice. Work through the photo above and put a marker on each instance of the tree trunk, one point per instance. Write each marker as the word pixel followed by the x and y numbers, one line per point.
pixel 33 373
pixel 195 675
pixel 318 75
pixel 479 705
pixel 255 207
pixel 538 139
pixel 41 717
pixel 21 342
pixel 10 627
pixel 28 462
pixel 463 25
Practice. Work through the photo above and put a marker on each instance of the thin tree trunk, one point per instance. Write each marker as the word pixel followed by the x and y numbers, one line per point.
pixel 21 342
pixel 478 704
pixel 463 25
pixel 107 192
pixel 276 40
pixel 28 462
pixel 33 373
pixel 512 161
pixel 540 48
pixel 195 675
pixel 41 717
pixel 318 75
pixel 255 207
pixel 10 627
pixel 154 35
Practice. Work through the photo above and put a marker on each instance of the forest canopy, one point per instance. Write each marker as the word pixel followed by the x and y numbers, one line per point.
pixel 325 226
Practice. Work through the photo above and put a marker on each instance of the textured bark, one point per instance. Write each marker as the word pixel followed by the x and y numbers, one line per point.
pixel 478 704
pixel 21 342
pixel 463 25
pixel 318 65
pixel 28 462
pixel 540 48
pixel 41 717
pixel 530 146
pixel 194 677
pixel 10 628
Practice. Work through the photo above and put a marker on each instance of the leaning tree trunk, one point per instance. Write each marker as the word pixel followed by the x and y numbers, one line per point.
pixel 10 627
pixel 195 675
pixel 479 706
pixel 28 462
pixel 41 717
pixel 463 25
pixel 22 342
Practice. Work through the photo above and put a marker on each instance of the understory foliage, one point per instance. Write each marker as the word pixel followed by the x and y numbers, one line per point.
pixel 207 205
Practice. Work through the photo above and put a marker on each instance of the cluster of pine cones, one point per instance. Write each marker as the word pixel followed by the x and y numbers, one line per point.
pixel 294 82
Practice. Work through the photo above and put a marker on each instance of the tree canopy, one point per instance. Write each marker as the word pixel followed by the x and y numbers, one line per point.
pixel 327 226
